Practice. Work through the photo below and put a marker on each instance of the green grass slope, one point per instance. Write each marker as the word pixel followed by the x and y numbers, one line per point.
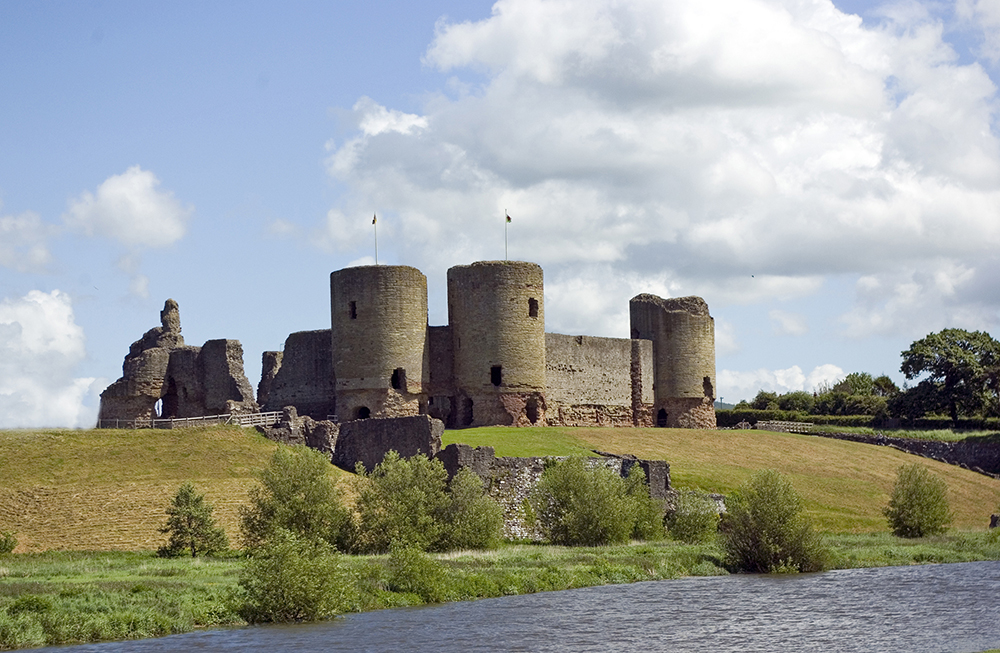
pixel 845 484
pixel 108 489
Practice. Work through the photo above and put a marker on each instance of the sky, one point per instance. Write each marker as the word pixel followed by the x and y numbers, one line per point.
pixel 826 175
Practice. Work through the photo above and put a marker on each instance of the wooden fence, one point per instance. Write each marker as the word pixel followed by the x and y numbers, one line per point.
pixel 247 419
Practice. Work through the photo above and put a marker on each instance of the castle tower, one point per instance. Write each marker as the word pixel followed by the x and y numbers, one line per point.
pixel 497 320
pixel 379 341
pixel 683 335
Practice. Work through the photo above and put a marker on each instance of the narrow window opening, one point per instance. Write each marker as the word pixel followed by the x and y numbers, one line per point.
pixel 354 310
pixel 363 412
pixel 496 375
pixel 706 385
pixel 532 307
pixel 661 418
pixel 531 410
pixel 398 380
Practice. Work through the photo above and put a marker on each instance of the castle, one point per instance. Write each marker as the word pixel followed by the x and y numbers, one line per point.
pixel 492 364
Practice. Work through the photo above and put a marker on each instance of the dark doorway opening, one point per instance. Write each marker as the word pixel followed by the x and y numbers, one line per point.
pixel 532 307
pixel 363 413
pixel 398 380
pixel 531 410
pixel 661 418
pixel 171 403
pixel 706 385
pixel 466 419
pixel 496 375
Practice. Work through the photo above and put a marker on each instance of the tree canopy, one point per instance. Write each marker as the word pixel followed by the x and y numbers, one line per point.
pixel 957 364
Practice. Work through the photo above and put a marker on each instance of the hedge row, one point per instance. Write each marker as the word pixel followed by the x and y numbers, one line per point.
pixel 732 417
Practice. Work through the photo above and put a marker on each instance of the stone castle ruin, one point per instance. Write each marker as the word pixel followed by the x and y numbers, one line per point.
pixel 492 364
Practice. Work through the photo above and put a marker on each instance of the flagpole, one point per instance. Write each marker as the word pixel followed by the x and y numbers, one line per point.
pixel 506 221
pixel 375 227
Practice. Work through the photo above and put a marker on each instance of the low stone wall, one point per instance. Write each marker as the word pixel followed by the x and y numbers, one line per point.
pixel 977 456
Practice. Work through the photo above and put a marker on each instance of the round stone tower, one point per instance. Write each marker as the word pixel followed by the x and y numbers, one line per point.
pixel 497 319
pixel 379 340
pixel 683 335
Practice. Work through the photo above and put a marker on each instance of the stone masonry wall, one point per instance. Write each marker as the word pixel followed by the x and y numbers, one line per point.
pixel 379 340
pixel 304 378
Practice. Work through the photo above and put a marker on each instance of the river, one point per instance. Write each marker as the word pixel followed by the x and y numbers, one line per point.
pixel 928 608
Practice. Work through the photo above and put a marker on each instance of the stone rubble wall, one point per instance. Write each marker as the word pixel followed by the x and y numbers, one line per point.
pixel 300 376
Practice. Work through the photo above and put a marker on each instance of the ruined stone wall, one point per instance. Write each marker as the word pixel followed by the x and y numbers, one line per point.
pixel 304 377
pixel 379 341
pixel 441 388
pixel 497 317
pixel 683 336
pixel 597 381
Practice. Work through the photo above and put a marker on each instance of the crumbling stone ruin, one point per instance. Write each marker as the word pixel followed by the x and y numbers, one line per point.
pixel 493 363
pixel 163 377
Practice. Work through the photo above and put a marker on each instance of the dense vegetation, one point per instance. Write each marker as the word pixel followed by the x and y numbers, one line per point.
pixel 957 375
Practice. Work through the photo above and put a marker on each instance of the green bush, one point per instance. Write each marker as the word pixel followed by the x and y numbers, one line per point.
pixel 695 518
pixel 291 578
pixel 408 502
pixel 473 519
pixel 580 503
pixel 919 503
pixel 191 526
pixel 765 531
pixel 296 494
pixel 412 571
pixel 8 542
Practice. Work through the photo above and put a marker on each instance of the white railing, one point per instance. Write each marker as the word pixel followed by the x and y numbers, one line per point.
pixel 245 419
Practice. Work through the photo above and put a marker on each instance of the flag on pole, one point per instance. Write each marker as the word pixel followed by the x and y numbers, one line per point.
pixel 508 217
pixel 374 219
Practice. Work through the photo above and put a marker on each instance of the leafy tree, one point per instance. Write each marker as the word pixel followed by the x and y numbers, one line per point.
pixel 191 526
pixel 919 503
pixel 765 401
pixel 956 362
pixel 297 494
pixel 765 531
pixel 409 503
pixel 695 518
pixel 856 383
pixel 577 503
pixel 883 386
pixel 800 401
pixel 290 578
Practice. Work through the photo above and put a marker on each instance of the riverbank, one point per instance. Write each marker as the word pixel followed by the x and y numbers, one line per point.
pixel 72 597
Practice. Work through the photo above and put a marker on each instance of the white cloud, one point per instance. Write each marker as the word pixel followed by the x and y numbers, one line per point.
pixel 735 385
pixel 742 150
pixel 40 348
pixel 23 242
pixel 131 209
pixel 984 17
pixel 788 324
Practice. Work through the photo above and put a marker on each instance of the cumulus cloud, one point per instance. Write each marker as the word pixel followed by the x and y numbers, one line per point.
pixel 788 324
pixel 24 242
pixel 131 209
pixel 744 150
pixel 734 385
pixel 40 347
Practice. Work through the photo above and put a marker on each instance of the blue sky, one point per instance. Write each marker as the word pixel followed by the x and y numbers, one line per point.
pixel 829 182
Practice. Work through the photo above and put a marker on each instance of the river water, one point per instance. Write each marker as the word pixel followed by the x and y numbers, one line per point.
pixel 932 608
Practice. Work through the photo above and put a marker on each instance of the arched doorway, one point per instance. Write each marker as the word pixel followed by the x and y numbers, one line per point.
pixel 661 418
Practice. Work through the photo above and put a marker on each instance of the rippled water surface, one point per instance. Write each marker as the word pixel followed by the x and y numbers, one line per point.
pixel 933 608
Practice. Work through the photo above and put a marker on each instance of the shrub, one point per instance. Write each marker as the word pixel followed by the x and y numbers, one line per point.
pixel 473 519
pixel 413 572
pixel 191 526
pixel 764 530
pixel 919 503
pixel 291 578
pixel 578 503
pixel 296 494
pixel 408 503
pixel 695 518
pixel 8 542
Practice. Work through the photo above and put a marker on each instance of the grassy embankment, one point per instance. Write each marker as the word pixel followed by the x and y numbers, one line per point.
pixel 108 489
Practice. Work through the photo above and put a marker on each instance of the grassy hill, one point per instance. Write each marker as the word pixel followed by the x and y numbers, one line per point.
pixel 844 484
pixel 108 489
